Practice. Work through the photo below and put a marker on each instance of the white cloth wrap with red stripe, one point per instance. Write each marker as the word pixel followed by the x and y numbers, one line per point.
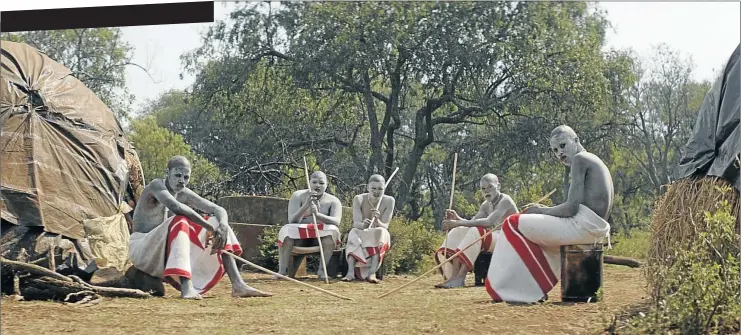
pixel 459 238
pixel 176 248
pixel 526 261
pixel 362 244
pixel 300 231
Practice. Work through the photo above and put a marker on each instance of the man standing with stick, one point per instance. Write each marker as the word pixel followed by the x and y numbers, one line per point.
pixel 301 230
pixel 495 208
pixel 369 238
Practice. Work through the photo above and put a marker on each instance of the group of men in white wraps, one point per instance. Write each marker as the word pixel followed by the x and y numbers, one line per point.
pixel 175 244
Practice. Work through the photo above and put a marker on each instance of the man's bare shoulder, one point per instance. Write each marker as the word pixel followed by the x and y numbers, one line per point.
pixel 506 200
pixel 588 159
pixel 331 198
pixel 156 184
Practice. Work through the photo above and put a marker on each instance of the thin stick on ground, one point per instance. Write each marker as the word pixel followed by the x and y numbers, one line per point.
pixel 378 205
pixel 459 252
pixel 316 225
pixel 439 265
pixel 284 277
pixel 450 206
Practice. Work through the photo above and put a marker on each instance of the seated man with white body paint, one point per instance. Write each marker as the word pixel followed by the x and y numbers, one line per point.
pixel 462 232
pixel 369 238
pixel 176 248
pixel 525 264
pixel 300 230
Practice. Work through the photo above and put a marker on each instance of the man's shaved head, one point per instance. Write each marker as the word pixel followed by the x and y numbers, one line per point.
pixel 318 174
pixel 489 184
pixel 563 130
pixel 177 174
pixel 377 177
pixel 178 161
pixel 318 182
pixel 490 178
pixel 565 144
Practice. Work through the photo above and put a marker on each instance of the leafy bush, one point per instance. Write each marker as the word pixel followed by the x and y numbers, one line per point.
pixel 699 293
pixel 412 245
pixel 268 249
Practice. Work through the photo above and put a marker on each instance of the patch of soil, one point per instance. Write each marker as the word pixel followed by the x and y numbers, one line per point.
pixel 295 309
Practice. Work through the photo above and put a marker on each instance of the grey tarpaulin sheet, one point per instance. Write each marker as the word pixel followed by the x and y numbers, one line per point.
pixel 715 142
pixel 63 150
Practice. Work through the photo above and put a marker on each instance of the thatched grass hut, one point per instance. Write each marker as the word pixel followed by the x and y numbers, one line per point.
pixel 710 164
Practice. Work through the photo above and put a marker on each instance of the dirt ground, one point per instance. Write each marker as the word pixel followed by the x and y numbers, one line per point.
pixel 296 309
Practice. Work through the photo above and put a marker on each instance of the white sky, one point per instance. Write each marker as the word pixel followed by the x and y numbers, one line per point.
pixel 707 32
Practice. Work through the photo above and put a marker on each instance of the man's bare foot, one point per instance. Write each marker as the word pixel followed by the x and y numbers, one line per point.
pixel 373 280
pixel 275 277
pixel 453 283
pixel 244 291
pixel 188 292
pixel 348 279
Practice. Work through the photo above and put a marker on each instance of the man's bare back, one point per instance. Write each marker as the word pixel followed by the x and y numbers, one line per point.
pixel 597 187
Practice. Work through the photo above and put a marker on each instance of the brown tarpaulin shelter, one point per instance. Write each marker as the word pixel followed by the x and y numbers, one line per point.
pixel 64 154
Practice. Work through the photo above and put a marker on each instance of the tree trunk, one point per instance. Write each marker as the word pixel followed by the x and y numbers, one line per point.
pixel 407 177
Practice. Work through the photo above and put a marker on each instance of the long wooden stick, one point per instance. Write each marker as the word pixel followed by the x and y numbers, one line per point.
pixel 439 265
pixel 457 253
pixel 378 205
pixel 316 225
pixel 282 276
pixel 450 204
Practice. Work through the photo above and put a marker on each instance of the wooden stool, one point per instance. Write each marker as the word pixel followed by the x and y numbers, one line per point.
pixel 298 261
pixel 481 268
pixel 581 272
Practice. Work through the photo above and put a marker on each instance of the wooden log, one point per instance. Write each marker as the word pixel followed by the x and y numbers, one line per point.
pixel 617 260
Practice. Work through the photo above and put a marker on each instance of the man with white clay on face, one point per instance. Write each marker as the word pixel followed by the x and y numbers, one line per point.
pixel 462 232
pixel 300 229
pixel 525 264
pixel 369 239
pixel 175 247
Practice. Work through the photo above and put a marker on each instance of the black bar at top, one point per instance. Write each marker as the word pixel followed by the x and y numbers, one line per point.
pixel 107 16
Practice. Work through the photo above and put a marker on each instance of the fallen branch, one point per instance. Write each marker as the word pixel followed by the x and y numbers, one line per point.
pixel 112 292
pixel 607 259
pixel 35 269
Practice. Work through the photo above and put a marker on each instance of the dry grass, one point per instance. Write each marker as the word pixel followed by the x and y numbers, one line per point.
pixel 297 310
pixel 677 218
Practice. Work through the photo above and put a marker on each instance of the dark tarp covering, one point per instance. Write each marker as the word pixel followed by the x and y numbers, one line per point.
pixel 63 150
pixel 715 144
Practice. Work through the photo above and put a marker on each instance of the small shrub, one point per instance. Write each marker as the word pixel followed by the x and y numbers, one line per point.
pixel 412 242
pixel 268 249
pixel 699 292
